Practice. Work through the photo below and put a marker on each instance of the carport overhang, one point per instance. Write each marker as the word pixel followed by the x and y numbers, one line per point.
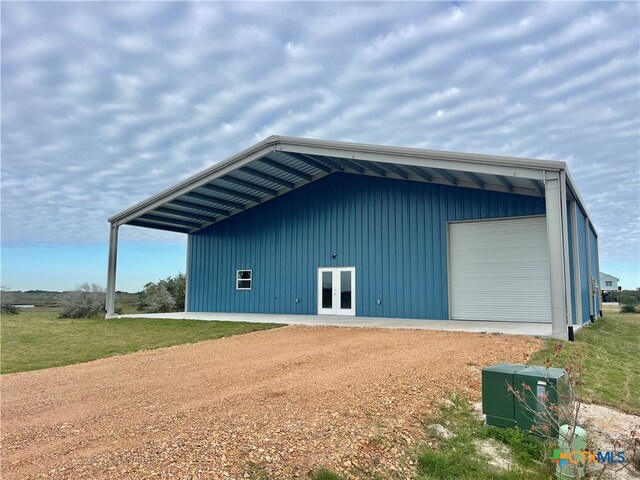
pixel 278 165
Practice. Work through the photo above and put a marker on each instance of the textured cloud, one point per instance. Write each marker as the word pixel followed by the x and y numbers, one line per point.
pixel 104 104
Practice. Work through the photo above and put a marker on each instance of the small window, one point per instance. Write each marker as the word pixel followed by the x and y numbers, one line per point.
pixel 609 283
pixel 243 279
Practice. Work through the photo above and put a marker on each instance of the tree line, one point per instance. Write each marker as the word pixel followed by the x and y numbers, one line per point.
pixel 89 299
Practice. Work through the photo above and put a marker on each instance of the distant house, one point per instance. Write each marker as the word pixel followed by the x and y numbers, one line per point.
pixel 608 282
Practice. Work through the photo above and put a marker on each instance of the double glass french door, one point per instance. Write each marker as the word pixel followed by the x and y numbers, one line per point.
pixel 337 291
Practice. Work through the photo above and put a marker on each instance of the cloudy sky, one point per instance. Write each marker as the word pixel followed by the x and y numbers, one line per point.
pixel 104 104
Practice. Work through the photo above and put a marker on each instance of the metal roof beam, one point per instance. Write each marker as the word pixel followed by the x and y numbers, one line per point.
pixel 286 168
pixel 157 226
pixel 268 177
pixel 170 221
pixel 209 198
pixel 327 161
pixel 230 192
pixel 252 186
pixel 487 164
pixel 420 172
pixel 537 186
pixel 197 206
pixel 397 170
pixel 182 213
pixel 373 167
pixel 475 179
pixel 450 178
pixel 201 178
pixel 350 164
pixel 505 182
pixel 308 161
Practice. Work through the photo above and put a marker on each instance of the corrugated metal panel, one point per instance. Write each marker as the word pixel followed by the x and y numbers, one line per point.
pixel 593 259
pixel 392 231
pixel 520 182
pixel 574 313
pixel 500 270
pixel 584 272
pixel 294 163
pixel 286 176
pixel 257 180
pixel 214 195
pixel 227 182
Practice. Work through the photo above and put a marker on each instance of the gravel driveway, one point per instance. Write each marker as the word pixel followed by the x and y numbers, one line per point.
pixel 269 404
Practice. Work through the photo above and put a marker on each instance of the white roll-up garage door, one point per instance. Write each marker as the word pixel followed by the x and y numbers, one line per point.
pixel 499 270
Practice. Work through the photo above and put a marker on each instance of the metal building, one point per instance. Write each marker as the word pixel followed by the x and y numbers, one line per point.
pixel 300 226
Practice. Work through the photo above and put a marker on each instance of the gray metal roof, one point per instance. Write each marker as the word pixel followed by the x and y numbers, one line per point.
pixel 279 164
pixel 602 274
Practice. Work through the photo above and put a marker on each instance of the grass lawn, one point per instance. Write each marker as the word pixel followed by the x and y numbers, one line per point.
pixel 38 339
pixel 460 457
pixel 609 353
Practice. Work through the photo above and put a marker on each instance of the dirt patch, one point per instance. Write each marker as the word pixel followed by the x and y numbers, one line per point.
pixel 495 453
pixel 607 429
pixel 610 429
pixel 270 404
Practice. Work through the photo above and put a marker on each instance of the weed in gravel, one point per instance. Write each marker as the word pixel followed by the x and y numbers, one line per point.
pixel 458 457
pixel 324 474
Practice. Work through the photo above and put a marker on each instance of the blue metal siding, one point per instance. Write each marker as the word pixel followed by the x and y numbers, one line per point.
pixel 392 231
pixel 593 259
pixel 583 259
pixel 574 314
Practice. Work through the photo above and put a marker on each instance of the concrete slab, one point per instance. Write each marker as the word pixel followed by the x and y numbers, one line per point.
pixel 509 328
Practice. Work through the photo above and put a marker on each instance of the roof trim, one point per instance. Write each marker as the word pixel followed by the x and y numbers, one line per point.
pixel 202 177
pixel 533 169
pixel 602 274
pixel 419 152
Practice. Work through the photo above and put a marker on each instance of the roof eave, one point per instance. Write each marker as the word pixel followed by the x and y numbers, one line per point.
pixel 199 178
pixel 419 152
pixel 345 150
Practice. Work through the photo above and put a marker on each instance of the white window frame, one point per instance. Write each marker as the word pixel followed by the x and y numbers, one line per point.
pixel 238 279
pixel 608 283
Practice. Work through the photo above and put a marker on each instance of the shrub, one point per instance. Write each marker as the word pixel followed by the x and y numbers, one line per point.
pixel 156 298
pixel 7 302
pixel 164 296
pixel 87 300
pixel 176 287
pixel 628 308
pixel 629 297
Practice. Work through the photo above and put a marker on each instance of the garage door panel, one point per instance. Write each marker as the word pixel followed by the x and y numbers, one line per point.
pixel 499 270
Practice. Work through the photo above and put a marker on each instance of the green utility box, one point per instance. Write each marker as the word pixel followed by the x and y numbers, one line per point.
pixel 498 403
pixel 546 394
